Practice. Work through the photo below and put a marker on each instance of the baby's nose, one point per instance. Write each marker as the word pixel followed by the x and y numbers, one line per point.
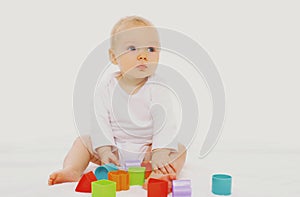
pixel 143 56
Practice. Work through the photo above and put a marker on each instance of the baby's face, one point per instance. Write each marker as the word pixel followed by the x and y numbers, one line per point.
pixel 137 51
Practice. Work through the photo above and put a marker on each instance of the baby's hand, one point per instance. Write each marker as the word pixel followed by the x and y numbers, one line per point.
pixel 161 161
pixel 106 156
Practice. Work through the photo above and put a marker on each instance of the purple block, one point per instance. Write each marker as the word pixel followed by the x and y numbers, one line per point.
pixel 132 163
pixel 181 188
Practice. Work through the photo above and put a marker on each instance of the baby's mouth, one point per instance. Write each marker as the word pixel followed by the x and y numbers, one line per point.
pixel 142 67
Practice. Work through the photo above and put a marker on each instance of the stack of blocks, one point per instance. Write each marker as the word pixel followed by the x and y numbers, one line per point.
pixel 108 179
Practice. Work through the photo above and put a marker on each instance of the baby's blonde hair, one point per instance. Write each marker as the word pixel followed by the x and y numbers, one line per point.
pixel 123 23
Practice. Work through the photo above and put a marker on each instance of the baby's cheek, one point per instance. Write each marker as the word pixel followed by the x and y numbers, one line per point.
pixel 127 64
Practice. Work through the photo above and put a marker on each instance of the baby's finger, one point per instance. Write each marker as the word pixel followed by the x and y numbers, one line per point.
pixel 169 169
pixel 155 169
pixel 163 170
pixel 154 166
pixel 172 166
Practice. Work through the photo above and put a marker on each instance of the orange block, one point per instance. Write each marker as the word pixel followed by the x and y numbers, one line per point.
pixel 121 178
pixel 85 183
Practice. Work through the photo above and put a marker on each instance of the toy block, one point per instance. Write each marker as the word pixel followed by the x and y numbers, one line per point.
pixel 136 175
pixel 85 183
pixel 121 178
pixel 102 171
pixel 181 188
pixel 157 188
pixel 221 184
pixel 103 188
pixel 132 163
pixel 148 167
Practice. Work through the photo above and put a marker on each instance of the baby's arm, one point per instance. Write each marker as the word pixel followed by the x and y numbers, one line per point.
pixel 101 131
pixel 165 128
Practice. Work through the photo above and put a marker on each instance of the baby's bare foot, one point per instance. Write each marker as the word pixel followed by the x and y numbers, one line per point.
pixel 64 175
pixel 166 177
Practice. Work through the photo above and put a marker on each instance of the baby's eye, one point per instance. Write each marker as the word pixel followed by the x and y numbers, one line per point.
pixel 131 48
pixel 151 49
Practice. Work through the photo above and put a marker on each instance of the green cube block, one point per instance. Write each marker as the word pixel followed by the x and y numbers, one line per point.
pixel 104 188
pixel 136 175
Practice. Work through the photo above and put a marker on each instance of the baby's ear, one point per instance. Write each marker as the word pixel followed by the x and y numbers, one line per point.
pixel 112 57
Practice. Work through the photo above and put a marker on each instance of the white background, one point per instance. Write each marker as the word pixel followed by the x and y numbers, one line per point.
pixel 254 44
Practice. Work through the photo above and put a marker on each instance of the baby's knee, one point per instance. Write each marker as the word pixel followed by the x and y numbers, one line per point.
pixel 78 140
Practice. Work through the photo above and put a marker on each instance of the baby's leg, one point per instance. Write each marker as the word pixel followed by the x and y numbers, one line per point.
pixel 75 162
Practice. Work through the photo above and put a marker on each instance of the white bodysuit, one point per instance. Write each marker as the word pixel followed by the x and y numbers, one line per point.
pixel 131 123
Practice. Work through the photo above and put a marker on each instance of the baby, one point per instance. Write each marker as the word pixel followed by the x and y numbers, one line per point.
pixel 135 48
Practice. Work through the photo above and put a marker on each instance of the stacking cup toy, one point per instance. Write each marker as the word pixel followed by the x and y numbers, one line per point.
pixel 221 184
pixel 136 175
pixel 102 171
pixel 121 178
pixel 103 188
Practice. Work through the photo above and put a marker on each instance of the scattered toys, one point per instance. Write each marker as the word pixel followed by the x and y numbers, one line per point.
pixel 119 180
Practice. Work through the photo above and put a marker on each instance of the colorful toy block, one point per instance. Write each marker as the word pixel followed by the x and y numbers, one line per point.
pixel 85 183
pixel 136 175
pixel 221 184
pixel 102 171
pixel 121 178
pixel 132 163
pixel 148 167
pixel 157 188
pixel 181 188
pixel 103 188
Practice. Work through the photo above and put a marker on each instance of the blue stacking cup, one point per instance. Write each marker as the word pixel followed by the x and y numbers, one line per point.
pixel 221 184
pixel 102 171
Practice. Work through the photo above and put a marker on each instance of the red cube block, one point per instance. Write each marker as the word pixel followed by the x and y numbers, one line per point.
pixel 157 188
